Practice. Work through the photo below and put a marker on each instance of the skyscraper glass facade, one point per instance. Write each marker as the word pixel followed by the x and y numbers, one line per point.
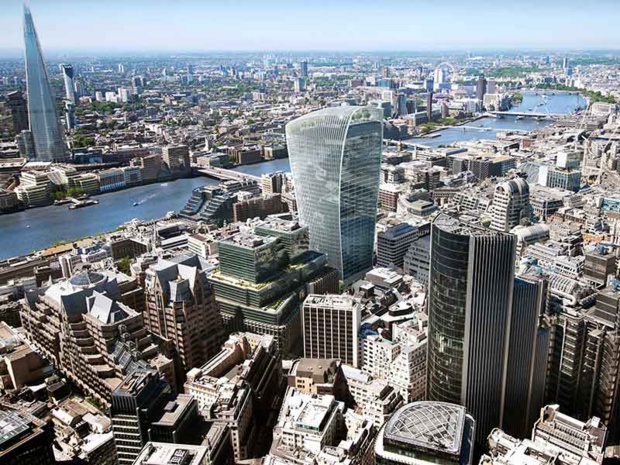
pixel 469 312
pixel 43 116
pixel 67 74
pixel 335 157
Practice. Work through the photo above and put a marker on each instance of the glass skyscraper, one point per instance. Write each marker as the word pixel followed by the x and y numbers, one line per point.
pixel 67 74
pixel 335 157
pixel 44 124
pixel 469 313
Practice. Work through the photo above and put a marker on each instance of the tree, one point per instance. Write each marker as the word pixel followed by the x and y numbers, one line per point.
pixel 82 141
pixel 124 265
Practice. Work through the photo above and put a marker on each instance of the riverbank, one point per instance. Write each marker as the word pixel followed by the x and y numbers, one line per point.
pixel 38 228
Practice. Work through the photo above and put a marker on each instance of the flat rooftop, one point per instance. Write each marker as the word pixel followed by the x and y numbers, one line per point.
pixel 159 453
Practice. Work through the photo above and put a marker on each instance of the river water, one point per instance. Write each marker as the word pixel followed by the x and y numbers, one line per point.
pixel 38 228
pixel 487 128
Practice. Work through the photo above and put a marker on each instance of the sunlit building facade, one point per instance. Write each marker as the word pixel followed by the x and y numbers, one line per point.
pixel 43 116
pixel 335 157
pixel 469 310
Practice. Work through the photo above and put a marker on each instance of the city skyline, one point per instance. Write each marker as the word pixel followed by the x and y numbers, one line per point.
pixel 190 26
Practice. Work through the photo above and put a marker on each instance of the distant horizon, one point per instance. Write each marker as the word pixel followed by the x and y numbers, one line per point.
pixel 16 53
pixel 193 26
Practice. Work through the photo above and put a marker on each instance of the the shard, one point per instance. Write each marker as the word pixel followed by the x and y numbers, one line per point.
pixel 43 116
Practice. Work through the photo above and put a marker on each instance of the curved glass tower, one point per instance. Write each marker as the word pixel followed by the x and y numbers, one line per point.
pixel 44 124
pixel 469 315
pixel 335 157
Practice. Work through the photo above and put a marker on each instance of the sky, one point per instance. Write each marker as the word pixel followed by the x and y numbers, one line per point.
pixel 369 25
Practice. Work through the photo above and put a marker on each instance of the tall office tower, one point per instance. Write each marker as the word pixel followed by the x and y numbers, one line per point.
pixel 492 86
pixel 299 85
pixel 19 111
pixel 565 63
pixel 181 309
pixel 44 123
pixel 25 144
pixel 583 368
pixel 135 403
pixel 511 203
pixel 401 105
pixel 304 69
pixel 335 157
pixel 67 74
pixel 469 312
pixel 527 356
pixel 331 327
pixel 121 68
pixel 70 115
pixel 429 106
pixel 190 73
pixel 426 433
pixel 438 78
pixel 393 244
pixel 481 88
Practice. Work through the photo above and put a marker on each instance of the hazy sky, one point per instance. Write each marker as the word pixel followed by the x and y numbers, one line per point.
pixel 201 25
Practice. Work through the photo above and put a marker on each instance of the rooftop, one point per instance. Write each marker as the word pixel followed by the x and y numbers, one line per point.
pixel 430 425
pixel 159 453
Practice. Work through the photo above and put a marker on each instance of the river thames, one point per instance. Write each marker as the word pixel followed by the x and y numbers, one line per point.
pixel 38 228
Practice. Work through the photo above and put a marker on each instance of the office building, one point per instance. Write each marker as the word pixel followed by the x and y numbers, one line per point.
pixel 177 159
pixel 510 204
pixel 438 78
pixel 331 328
pixel 299 85
pixel 67 74
pixel 181 310
pixel 241 388
pixel 303 67
pixel 469 309
pixel 335 157
pixel 260 207
pixel 481 88
pixel 18 107
pixel 393 244
pixel 307 424
pixel 263 278
pixel 426 433
pixel 527 356
pixel 556 439
pixel 24 439
pixel 429 106
pixel 134 404
pixel 83 326
pixel 417 259
pixel 212 453
pixel 70 115
pixel 585 346
pixel 579 439
pixel 553 176
pixel 34 189
pixel 273 183
pixel 44 123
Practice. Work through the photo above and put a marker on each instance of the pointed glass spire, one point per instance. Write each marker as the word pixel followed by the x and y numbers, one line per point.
pixel 44 124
